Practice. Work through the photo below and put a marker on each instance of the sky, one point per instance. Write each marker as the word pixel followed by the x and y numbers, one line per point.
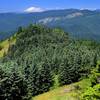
pixel 41 5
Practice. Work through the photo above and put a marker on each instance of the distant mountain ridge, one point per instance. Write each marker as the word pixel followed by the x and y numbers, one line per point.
pixel 79 23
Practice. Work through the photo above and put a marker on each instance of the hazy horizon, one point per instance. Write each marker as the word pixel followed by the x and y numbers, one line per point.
pixel 50 10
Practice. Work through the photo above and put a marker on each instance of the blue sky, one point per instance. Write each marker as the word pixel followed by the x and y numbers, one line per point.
pixel 30 5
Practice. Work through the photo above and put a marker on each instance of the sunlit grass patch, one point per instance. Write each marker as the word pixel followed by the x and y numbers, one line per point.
pixel 5 45
pixel 67 92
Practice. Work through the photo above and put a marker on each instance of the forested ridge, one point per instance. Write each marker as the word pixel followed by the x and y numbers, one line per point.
pixel 43 59
pixel 75 21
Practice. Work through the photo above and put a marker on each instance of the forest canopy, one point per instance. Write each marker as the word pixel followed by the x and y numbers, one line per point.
pixel 39 55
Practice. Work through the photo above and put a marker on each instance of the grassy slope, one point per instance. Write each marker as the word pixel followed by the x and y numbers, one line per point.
pixel 5 45
pixel 67 92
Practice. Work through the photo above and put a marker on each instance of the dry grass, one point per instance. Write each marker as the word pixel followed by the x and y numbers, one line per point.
pixel 67 92
pixel 5 45
pixel 61 93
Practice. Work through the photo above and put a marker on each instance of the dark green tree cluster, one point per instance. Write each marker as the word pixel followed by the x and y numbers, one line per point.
pixel 13 86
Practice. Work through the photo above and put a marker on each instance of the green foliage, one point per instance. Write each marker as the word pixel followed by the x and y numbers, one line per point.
pixel 45 78
pixel 13 87
pixel 93 92
pixel 43 58
pixel 95 75
pixel 56 82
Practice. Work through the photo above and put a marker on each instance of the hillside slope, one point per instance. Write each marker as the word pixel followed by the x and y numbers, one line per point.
pixel 86 89
pixel 4 45
pixel 67 92
pixel 43 59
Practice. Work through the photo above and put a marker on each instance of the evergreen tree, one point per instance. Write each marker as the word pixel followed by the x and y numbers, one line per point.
pixel 14 87
pixel 45 78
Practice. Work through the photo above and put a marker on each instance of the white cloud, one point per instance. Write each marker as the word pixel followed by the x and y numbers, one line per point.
pixel 34 9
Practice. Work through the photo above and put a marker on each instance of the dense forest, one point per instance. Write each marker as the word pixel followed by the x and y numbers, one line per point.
pixel 43 58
